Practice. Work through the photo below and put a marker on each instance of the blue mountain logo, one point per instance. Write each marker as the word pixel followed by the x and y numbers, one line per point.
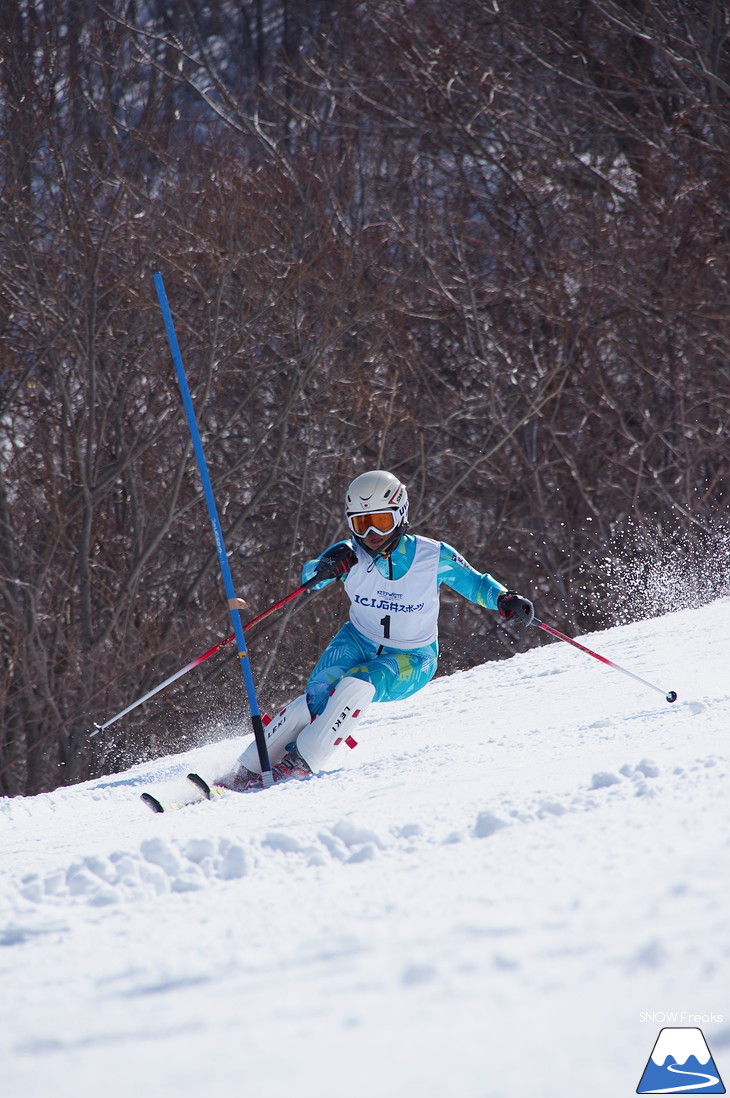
pixel 680 1063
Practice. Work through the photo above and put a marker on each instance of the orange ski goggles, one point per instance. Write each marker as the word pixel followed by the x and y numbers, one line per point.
pixel 382 522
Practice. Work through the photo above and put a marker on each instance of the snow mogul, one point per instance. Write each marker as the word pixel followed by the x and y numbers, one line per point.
pixel 389 648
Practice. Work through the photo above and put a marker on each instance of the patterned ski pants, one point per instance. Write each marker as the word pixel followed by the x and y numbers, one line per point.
pixel 394 674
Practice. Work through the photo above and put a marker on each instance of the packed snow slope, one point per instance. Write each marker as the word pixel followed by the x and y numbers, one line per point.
pixel 500 893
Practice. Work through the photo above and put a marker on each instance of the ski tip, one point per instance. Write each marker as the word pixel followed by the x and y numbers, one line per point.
pixel 200 783
pixel 151 802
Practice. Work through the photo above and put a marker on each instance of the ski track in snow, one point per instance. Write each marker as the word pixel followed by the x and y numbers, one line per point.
pixel 479 900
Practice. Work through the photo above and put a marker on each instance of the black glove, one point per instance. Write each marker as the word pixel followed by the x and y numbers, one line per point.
pixel 513 607
pixel 336 562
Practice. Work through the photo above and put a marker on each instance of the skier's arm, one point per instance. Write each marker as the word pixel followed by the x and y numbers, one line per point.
pixel 335 562
pixel 478 587
pixel 481 588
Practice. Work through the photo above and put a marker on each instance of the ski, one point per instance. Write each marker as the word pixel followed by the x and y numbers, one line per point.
pixel 209 791
pixel 201 785
pixel 152 802
pixel 156 805
pixel 219 788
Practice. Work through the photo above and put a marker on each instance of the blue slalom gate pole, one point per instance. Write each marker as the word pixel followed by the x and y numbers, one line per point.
pixel 258 727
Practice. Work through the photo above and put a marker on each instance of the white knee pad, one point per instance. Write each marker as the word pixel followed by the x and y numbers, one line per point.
pixel 283 730
pixel 337 723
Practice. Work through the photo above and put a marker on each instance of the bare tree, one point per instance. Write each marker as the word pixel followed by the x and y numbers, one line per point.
pixel 482 245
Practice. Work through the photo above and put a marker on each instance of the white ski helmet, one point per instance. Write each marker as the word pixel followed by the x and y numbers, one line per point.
pixel 377 501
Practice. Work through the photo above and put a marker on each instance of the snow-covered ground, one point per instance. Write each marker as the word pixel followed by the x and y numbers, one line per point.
pixel 502 892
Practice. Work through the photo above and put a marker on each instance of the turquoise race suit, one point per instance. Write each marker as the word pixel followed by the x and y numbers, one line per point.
pixel 391 639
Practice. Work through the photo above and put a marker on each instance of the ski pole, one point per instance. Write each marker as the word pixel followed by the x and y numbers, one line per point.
pixel 205 655
pixel 670 697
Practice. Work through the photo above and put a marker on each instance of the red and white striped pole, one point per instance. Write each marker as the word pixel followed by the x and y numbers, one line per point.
pixel 670 696
pixel 205 655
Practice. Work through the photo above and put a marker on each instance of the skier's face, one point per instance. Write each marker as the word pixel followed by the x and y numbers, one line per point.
pixel 376 541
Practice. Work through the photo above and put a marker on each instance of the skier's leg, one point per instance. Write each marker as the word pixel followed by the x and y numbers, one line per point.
pixel 346 649
pixel 385 677
pixel 282 731
pixel 351 673
pixel 394 674
pixel 337 723
pixel 397 675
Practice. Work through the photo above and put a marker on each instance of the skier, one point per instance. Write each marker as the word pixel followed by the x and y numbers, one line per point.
pixel 389 647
